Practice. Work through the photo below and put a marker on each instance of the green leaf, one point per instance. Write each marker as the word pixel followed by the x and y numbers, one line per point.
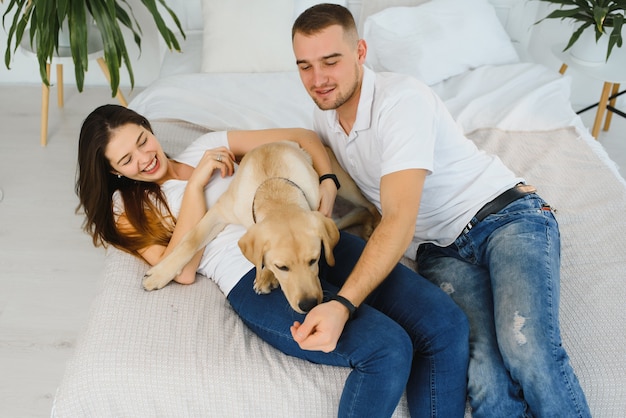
pixel 602 14
pixel 599 14
pixel 166 33
pixel 561 2
pixel 79 41
pixel 176 21
pixel 62 9
pixel 110 33
pixel 17 27
pixel 576 35
pixel 125 19
pixel 615 38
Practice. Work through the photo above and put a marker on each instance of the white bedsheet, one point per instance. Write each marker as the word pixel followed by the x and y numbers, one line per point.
pixel 228 101
pixel 194 357
pixel 522 96
pixel 514 97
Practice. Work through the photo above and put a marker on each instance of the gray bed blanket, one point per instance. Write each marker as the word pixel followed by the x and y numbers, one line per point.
pixel 183 352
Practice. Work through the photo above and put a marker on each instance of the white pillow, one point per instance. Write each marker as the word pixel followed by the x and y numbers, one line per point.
pixel 247 36
pixel 437 40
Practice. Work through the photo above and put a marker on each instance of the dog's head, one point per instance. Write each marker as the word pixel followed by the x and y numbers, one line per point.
pixel 290 247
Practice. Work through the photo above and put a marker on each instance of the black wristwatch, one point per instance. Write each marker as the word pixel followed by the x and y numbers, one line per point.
pixel 345 302
pixel 332 177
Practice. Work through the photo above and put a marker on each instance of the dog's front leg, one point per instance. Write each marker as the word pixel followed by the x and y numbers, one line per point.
pixel 265 282
pixel 172 265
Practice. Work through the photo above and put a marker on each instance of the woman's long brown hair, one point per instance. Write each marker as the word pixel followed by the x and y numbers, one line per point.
pixel 145 207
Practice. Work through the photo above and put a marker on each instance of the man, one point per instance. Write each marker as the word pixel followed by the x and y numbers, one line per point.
pixel 486 237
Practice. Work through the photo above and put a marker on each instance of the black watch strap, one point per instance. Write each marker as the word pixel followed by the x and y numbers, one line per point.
pixel 332 177
pixel 345 302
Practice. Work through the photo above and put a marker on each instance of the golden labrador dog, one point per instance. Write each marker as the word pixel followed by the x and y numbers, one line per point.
pixel 275 194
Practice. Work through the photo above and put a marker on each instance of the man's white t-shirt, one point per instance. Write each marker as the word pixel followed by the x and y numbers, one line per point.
pixel 402 124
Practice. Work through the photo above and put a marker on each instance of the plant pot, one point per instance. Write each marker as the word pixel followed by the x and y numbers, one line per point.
pixel 587 51
pixel 64 35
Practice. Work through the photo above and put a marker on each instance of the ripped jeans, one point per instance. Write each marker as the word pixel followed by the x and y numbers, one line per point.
pixel 504 273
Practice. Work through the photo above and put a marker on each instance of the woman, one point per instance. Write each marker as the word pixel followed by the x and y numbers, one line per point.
pixel 139 200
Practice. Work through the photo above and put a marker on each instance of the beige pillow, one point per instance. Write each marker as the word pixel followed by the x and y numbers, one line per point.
pixel 242 36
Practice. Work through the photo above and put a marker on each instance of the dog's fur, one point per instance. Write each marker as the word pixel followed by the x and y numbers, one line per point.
pixel 275 194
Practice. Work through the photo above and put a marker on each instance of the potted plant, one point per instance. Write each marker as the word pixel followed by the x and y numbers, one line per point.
pixel 605 16
pixel 44 21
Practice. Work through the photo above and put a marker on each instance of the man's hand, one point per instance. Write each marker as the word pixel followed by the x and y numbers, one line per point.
pixel 321 328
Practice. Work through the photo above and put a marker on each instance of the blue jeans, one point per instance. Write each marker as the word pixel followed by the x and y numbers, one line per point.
pixel 504 273
pixel 408 335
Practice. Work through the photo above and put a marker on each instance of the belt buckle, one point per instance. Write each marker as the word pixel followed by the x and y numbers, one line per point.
pixel 468 227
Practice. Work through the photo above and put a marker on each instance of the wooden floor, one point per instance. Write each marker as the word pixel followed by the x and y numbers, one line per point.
pixel 49 270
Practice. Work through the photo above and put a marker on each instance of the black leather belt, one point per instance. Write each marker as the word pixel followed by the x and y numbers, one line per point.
pixel 499 203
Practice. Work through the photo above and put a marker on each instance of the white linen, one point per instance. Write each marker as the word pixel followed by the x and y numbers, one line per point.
pixel 183 352
pixel 438 39
pixel 505 97
pixel 229 101
pixel 522 96
pixel 515 97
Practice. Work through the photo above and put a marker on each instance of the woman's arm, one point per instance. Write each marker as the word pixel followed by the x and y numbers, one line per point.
pixel 240 142
pixel 193 207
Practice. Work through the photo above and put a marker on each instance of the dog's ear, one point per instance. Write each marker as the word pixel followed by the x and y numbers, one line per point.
pixel 330 236
pixel 252 246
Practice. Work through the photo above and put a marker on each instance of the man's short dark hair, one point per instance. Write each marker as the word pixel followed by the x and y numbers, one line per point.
pixel 320 16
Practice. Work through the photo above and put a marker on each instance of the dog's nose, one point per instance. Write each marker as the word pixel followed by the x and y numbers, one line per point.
pixel 307 304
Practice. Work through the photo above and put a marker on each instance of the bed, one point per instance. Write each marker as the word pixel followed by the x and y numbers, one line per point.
pixel 182 352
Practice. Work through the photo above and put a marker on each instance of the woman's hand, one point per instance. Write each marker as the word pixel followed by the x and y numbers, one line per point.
pixel 328 193
pixel 220 158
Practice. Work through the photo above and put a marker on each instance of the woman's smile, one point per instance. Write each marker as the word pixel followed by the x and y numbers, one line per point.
pixel 153 166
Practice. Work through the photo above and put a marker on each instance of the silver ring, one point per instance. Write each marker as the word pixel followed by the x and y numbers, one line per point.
pixel 219 158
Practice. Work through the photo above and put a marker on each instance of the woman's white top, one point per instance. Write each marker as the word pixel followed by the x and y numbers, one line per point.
pixel 222 261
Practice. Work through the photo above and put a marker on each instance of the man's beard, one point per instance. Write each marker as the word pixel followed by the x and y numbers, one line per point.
pixel 340 100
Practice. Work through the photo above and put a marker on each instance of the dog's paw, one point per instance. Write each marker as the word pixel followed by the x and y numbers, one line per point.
pixel 367 230
pixel 263 289
pixel 266 283
pixel 155 279
pixel 370 223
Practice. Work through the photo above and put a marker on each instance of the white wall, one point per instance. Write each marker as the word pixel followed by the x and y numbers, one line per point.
pixel 146 65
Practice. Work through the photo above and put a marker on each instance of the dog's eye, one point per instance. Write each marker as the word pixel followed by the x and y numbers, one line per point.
pixel 313 261
pixel 282 268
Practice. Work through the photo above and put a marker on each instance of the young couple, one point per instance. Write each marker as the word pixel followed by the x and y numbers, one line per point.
pixel 485 237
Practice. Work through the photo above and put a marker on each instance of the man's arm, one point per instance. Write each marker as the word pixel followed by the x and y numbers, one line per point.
pixel 400 194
